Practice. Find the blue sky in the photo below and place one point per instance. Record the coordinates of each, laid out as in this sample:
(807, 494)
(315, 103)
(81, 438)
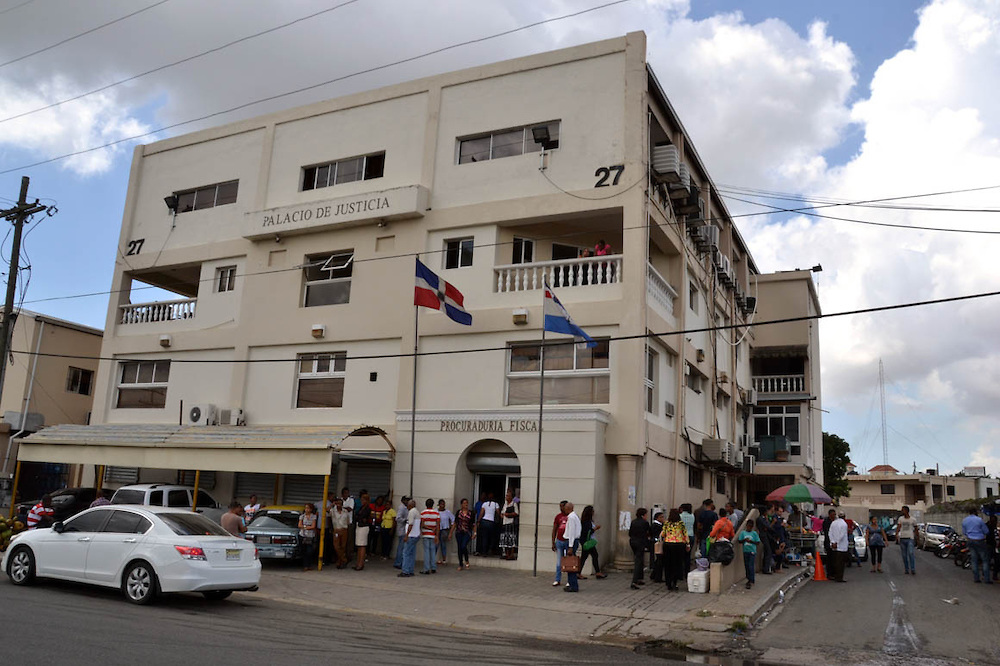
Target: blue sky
(779, 96)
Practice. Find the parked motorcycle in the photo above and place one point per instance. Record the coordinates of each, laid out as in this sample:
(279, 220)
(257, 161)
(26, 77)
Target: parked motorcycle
(961, 554)
(947, 547)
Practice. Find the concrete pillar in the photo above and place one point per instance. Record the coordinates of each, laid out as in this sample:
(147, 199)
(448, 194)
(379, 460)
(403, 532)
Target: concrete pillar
(627, 480)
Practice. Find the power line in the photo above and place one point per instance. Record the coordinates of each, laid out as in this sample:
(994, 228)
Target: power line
(558, 343)
(82, 34)
(10, 9)
(176, 62)
(314, 86)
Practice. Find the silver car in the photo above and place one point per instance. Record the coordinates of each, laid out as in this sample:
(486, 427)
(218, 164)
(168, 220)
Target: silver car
(275, 532)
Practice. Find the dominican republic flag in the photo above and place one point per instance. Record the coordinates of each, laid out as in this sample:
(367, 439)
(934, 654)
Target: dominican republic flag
(433, 292)
(558, 320)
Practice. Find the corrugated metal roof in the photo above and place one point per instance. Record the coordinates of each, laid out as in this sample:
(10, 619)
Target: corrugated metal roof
(213, 437)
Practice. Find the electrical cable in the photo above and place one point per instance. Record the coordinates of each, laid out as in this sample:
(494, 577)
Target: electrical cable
(559, 343)
(82, 34)
(175, 63)
(832, 201)
(344, 77)
(10, 9)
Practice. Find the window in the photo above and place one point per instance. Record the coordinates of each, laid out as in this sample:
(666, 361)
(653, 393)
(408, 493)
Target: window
(524, 251)
(143, 384)
(79, 380)
(951, 490)
(328, 278)
(572, 376)
(888, 488)
(775, 421)
(225, 278)
(693, 297)
(88, 522)
(652, 361)
(321, 380)
(696, 477)
(178, 498)
(209, 196)
(128, 496)
(155, 498)
(505, 143)
(192, 524)
(989, 492)
(126, 522)
(720, 485)
(458, 253)
(365, 167)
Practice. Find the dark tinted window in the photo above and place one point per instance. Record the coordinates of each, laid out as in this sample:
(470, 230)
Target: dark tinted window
(205, 500)
(192, 524)
(156, 498)
(126, 522)
(276, 520)
(178, 498)
(86, 522)
(128, 497)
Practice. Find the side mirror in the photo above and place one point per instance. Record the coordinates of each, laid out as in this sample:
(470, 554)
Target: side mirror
(58, 527)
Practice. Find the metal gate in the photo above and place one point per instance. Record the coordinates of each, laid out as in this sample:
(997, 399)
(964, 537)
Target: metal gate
(373, 476)
(302, 488)
(206, 480)
(122, 475)
(251, 483)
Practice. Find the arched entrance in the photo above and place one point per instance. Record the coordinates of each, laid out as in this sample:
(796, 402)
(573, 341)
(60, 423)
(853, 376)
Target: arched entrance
(489, 467)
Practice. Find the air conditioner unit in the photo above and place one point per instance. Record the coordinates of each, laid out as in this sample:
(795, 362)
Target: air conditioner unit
(749, 462)
(713, 448)
(723, 377)
(682, 187)
(692, 205)
(727, 453)
(751, 304)
(668, 408)
(737, 458)
(752, 396)
(202, 415)
(722, 265)
(667, 163)
(237, 417)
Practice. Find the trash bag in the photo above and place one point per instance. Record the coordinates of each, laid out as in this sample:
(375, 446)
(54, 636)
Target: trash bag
(701, 564)
(721, 551)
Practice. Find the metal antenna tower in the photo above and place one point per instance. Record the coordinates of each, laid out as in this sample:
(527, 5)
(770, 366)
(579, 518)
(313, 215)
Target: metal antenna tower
(881, 392)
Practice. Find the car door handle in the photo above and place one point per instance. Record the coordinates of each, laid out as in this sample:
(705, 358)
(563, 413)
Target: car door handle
(128, 540)
(84, 539)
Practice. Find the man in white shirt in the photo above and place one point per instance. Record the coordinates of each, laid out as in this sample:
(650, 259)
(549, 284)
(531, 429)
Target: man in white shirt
(572, 536)
(340, 519)
(251, 509)
(839, 545)
(488, 524)
(412, 537)
(401, 513)
(345, 495)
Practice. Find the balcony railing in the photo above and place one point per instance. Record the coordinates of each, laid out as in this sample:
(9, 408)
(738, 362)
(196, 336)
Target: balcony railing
(780, 384)
(659, 290)
(147, 313)
(579, 272)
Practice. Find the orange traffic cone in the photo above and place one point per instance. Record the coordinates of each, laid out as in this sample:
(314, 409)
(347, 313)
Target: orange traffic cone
(820, 573)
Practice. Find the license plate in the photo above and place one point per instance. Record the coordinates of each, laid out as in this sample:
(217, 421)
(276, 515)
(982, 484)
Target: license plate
(232, 553)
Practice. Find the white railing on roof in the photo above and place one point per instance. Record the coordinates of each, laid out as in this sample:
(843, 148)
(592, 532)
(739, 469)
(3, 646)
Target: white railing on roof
(780, 384)
(579, 272)
(659, 290)
(147, 313)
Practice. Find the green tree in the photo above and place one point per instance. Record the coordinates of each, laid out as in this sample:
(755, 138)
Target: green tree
(835, 459)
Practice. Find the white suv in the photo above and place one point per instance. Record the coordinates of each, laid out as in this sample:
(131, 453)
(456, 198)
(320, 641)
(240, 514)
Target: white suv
(164, 494)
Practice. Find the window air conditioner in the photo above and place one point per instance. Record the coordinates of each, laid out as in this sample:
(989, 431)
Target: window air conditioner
(667, 163)
(713, 448)
(680, 189)
(751, 304)
(752, 396)
(749, 462)
(202, 415)
(668, 408)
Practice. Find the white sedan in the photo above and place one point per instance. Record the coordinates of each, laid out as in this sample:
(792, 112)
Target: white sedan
(141, 550)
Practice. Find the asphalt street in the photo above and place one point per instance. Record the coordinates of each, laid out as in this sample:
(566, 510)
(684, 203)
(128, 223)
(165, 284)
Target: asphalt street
(938, 615)
(54, 622)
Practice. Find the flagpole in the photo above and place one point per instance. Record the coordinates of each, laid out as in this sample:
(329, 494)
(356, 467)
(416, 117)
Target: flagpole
(413, 404)
(541, 407)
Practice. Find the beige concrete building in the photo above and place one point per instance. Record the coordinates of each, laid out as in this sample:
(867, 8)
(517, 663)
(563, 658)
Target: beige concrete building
(48, 380)
(289, 240)
(884, 489)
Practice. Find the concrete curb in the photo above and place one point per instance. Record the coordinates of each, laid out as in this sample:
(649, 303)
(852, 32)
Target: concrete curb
(768, 603)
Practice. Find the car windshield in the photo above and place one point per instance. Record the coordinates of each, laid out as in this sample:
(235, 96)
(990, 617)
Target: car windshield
(937, 529)
(192, 524)
(275, 520)
(128, 497)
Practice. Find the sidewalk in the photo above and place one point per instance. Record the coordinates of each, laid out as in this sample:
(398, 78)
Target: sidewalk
(515, 602)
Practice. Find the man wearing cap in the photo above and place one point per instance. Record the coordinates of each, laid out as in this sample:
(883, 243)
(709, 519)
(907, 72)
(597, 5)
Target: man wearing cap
(401, 513)
(838, 543)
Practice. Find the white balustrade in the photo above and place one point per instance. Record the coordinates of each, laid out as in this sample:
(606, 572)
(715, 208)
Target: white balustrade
(780, 384)
(148, 313)
(659, 290)
(579, 272)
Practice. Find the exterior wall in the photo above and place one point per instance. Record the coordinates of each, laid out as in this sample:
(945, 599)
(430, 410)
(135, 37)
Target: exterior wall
(866, 490)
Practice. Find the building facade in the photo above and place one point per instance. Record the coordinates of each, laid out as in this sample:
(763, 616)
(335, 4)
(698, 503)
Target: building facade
(288, 243)
(49, 379)
(884, 489)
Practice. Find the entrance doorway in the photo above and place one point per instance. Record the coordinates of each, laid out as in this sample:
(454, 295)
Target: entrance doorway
(498, 485)
(491, 466)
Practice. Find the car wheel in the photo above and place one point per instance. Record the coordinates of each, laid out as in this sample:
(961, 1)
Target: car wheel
(217, 595)
(21, 568)
(139, 584)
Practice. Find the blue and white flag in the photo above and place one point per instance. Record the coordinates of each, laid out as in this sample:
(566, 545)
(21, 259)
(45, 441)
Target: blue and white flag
(558, 320)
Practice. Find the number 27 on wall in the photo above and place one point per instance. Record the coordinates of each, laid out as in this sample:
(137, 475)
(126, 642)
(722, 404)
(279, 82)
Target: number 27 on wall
(604, 173)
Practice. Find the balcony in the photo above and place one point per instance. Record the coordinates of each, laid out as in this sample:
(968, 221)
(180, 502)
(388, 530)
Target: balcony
(659, 293)
(579, 272)
(159, 311)
(780, 384)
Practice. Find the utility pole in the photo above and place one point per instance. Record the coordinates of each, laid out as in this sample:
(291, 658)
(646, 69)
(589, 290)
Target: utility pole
(18, 214)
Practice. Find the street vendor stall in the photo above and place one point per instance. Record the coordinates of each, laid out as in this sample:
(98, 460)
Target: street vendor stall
(800, 541)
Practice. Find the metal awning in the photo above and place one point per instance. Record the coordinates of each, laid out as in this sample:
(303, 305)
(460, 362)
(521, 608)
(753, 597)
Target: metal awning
(273, 449)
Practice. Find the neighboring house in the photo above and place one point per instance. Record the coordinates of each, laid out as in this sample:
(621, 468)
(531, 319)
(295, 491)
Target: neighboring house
(787, 440)
(41, 390)
(884, 488)
(289, 242)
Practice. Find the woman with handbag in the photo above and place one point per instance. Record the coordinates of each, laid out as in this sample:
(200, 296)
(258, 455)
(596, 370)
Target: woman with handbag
(589, 527)
(675, 544)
